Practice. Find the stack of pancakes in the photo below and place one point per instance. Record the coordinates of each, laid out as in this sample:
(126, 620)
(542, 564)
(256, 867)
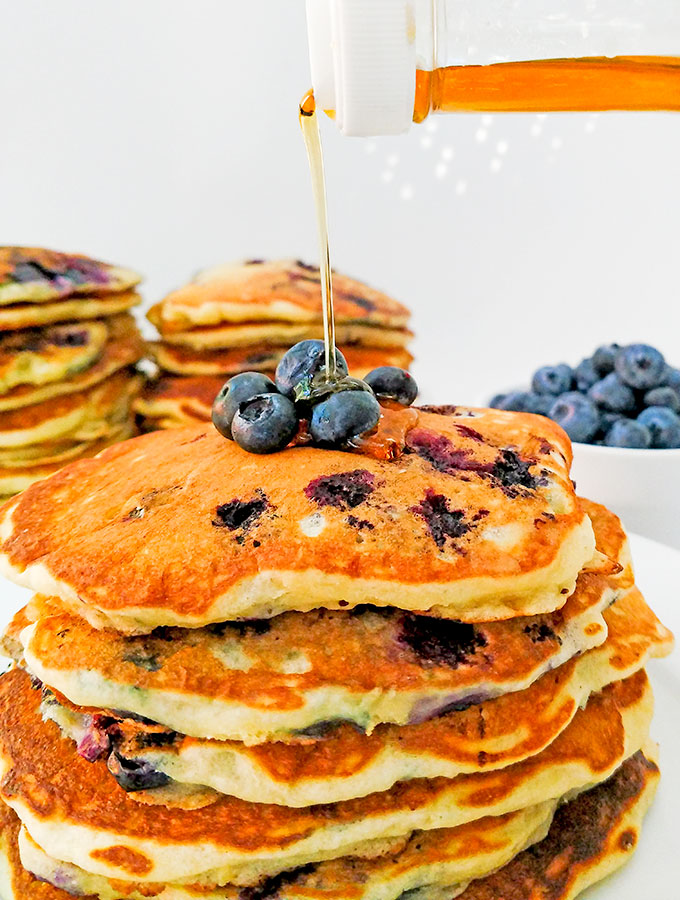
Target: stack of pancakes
(243, 317)
(67, 344)
(319, 674)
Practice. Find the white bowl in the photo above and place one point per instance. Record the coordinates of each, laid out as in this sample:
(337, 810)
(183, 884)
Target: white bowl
(641, 486)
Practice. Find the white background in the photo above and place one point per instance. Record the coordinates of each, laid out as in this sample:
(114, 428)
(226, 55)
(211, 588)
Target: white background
(163, 135)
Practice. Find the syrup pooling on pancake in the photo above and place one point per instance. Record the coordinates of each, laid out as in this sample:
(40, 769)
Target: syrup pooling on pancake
(74, 811)
(342, 763)
(298, 674)
(520, 538)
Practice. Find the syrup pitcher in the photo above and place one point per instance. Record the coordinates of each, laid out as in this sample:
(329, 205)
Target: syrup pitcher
(378, 65)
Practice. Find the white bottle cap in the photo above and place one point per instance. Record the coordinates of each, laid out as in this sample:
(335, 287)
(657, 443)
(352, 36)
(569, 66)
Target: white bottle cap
(363, 60)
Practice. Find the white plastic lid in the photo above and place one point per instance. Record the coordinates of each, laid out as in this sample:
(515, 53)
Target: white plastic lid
(363, 60)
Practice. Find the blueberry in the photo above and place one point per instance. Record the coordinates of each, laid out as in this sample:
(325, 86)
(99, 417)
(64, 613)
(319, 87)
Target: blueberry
(497, 400)
(302, 362)
(393, 383)
(236, 390)
(604, 359)
(344, 416)
(265, 423)
(607, 419)
(663, 396)
(577, 415)
(524, 401)
(641, 366)
(671, 378)
(664, 426)
(585, 375)
(612, 394)
(628, 433)
(133, 775)
(553, 380)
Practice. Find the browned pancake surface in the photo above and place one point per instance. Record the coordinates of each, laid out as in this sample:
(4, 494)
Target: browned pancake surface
(184, 517)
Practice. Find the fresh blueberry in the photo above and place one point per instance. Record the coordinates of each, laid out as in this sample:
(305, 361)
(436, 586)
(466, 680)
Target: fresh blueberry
(303, 362)
(393, 383)
(524, 401)
(607, 419)
(577, 415)
(344, 416)
(611, 394)
(554, 380)
(664, 426)
(641, 366)
(671, 378)
(133, 775)
(663, 396)
(604, 359)
(235, 391)
(497, 401)
(628, 433)
(265, 423)
(585, 375)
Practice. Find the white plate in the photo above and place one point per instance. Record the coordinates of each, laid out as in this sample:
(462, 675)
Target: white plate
(655, 869)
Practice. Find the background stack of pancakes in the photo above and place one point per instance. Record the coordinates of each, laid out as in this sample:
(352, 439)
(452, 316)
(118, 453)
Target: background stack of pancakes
(66, 348)
(243, 317)
(319, 674)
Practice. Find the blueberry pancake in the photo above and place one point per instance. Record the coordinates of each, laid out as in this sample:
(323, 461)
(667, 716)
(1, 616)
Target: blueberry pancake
(122, 347)
(173, 402)
(263, 358)
(278, 291)
(275, 679)
(76, 308)
(477, 520)
(76, 813)
(36, 275)
(333, 761)
(41, 356)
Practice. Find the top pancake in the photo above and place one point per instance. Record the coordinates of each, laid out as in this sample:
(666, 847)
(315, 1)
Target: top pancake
(36, 275)
(477, 520)
(256, 291)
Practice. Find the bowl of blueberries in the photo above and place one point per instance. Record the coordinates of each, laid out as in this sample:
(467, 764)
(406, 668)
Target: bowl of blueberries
(621, 409)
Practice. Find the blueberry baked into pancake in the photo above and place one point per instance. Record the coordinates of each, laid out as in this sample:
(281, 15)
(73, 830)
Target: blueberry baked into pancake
(243, 316)
(405, 661)
(67, 351)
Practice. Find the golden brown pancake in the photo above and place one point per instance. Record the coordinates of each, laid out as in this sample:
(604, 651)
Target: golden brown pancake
(284, 334)
(273, 678)
(30, 315)
(341, 763)
(75, 813)
(261, 358)
(285, 291)
(175, 402)
(477, 521)
(594, 834)
(36, 275)
(85, 415)
(123, 348)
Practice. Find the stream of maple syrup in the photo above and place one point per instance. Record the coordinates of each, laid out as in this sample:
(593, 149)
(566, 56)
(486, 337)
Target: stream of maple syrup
(588, 84)
(309, 123)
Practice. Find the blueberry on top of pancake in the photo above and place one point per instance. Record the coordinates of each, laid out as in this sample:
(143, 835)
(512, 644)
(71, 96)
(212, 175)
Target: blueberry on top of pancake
(36, 275)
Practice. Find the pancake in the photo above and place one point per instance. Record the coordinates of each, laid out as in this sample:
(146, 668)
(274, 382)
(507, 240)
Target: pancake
(261, 358)
(85, 415)
(596, 832)
(271, 679)
(477, 520)
(346, 764)
(441, 858)
(285, 334)
(284, 291)
(76, 813)
(18, 477)
(125, 346)
(36, 275)
(44, 355)
(31, 315)
(174, 402)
